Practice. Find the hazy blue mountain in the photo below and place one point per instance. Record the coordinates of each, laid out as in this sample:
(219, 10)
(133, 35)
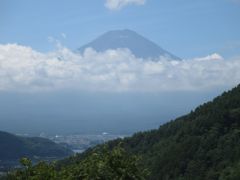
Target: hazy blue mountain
(13, 147)
(140, 46)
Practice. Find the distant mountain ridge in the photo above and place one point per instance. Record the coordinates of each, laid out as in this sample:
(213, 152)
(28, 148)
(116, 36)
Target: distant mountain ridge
(140, 46)
(13, 147)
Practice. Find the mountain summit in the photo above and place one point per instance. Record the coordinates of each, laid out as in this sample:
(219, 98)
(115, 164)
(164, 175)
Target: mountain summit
(140, 46)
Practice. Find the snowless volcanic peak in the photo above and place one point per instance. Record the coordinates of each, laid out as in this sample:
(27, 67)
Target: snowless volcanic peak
(140, 46)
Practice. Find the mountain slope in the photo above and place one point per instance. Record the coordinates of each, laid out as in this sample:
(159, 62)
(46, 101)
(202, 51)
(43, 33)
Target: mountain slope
(137, 44)
(205, 144)
(14, 147)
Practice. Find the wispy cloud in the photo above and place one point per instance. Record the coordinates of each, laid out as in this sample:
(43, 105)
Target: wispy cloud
(119, 4)
(24, 69)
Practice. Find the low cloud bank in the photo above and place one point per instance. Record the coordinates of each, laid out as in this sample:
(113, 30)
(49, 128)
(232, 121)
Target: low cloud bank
(24, 69)
(119, 4)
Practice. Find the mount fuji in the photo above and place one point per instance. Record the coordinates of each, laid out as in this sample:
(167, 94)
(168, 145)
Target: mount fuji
(140, 46)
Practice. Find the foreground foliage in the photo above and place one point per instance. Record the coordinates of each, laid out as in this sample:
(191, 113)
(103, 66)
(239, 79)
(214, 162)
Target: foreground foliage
(102, 164)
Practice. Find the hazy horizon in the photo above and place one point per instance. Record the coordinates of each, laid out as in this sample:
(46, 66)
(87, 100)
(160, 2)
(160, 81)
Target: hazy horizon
(173, 57)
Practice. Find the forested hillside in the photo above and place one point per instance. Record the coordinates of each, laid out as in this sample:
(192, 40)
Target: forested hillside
(204, 144)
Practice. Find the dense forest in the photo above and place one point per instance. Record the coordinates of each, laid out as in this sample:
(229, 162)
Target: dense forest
(102, 164)
(203, 145)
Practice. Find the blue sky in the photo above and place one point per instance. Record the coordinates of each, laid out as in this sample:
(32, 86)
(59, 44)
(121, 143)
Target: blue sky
(185, 27)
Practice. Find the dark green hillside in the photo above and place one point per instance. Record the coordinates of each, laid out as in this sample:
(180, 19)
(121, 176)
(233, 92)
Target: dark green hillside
(205, 144)
(14, 147)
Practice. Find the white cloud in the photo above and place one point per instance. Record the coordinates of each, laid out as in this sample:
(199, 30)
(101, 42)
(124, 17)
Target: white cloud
(24, 69)
(118, 4)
